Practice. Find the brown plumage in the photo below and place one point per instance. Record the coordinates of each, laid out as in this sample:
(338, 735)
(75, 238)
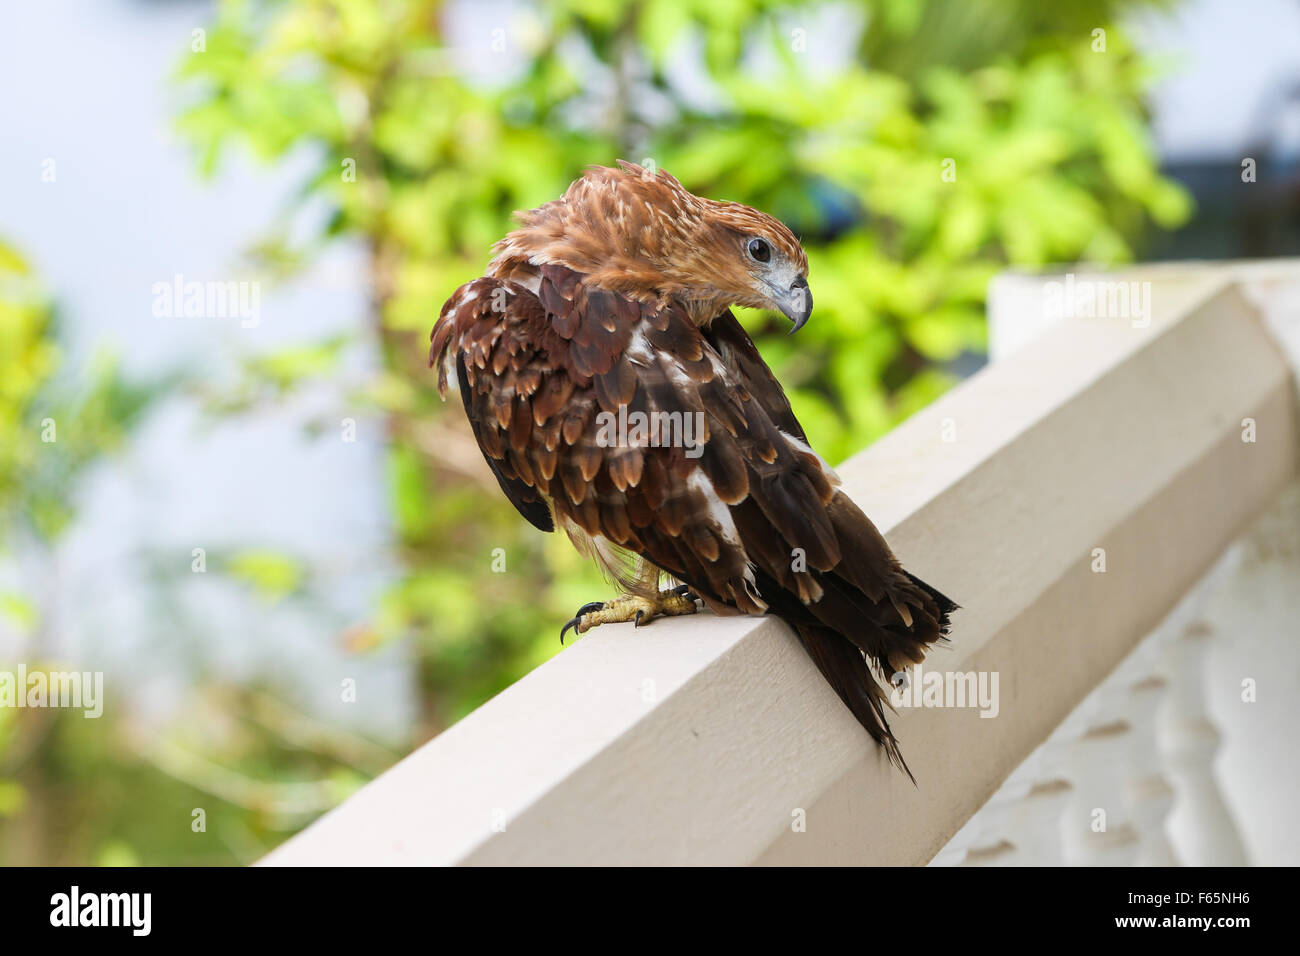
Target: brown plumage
(615, 299)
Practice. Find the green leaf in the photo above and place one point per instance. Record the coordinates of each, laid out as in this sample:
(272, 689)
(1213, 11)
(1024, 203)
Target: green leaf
(273, 575)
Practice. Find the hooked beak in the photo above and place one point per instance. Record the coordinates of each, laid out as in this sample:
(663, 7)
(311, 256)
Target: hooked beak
(796, 303)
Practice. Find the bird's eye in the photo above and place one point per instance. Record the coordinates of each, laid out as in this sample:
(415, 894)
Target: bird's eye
(759, 250)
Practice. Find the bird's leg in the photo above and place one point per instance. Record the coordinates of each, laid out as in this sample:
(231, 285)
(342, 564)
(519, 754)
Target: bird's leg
(637, 608)
(632, 607)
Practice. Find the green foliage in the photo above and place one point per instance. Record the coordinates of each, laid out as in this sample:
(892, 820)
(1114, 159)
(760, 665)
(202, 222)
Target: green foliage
(109, 793)
(51, 428)
(271, 574)
(961, 137)
(27, 361)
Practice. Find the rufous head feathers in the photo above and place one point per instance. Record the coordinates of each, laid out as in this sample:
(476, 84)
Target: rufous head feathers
(637, 231)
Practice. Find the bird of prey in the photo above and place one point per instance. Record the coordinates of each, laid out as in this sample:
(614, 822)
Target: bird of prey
(613, 392)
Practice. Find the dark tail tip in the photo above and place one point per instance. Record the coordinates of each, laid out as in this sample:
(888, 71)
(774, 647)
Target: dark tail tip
(945, 604)
(847, 671)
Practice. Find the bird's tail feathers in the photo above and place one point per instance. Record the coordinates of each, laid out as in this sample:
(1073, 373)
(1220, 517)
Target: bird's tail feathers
(847, 671)
(945, 604)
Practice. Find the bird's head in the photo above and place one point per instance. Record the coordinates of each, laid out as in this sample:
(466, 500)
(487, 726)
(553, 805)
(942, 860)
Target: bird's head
(750, 259)
(638, 231)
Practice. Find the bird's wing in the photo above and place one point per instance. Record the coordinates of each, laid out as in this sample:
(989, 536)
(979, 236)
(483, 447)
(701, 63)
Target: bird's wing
(535, 371)
(856, 586)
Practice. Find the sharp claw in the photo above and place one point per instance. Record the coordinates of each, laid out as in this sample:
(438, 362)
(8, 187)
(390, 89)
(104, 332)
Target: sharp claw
(636, 621)
(684, 590)
(564, 630)
(577, 618)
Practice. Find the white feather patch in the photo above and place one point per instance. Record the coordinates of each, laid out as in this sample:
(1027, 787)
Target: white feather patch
(798, 445)
(718, 510)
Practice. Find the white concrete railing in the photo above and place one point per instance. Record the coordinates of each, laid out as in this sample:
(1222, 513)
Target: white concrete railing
(714, 740)
(1182, 749)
